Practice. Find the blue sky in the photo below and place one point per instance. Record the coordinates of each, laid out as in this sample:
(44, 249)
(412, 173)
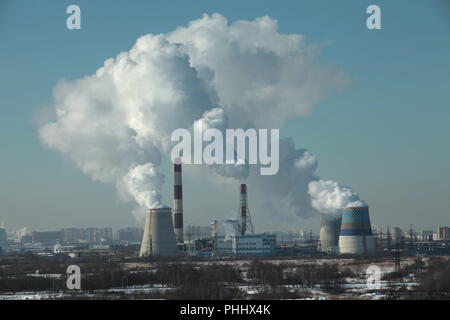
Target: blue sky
(386, 134)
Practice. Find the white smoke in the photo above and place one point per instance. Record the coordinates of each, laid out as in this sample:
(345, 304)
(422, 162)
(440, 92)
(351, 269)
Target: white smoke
(328, 196)
(144, 183)
(116, 123)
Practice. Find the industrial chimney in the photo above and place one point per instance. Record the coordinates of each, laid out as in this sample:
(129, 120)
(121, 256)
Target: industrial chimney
(329, 233)
(159, 236)
(356, 232)
(243, 205)
(178, 201)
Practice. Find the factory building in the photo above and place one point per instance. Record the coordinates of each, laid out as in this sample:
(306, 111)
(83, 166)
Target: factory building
(253, 245)
(426, 235)
(443, 233)
(329, 234)
(227, 240)
(356, 232)
(222, 233)
(159, 236)
(196, 232)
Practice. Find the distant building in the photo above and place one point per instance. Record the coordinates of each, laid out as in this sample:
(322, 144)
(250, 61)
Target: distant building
(196, 232)
(3, 235)
(443, 233)
(47, 237)
(26, 238)
(98, 234)
(397, 236)
(254, 245)
(427, 235)
(70, 235)
(222, 233)
(129, 234)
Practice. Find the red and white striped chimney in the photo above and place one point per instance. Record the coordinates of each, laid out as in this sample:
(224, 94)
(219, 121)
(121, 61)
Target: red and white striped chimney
(243, 208)
(177, 210)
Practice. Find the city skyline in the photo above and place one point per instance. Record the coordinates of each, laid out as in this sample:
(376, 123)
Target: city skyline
(384, 133)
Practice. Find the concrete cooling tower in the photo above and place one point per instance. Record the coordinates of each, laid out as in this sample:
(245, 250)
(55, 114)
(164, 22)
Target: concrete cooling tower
(159, 236)
(329, 233)
(356, 232)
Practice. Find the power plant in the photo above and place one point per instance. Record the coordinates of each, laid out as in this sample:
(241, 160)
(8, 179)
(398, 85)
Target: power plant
(356, 232)
(178, 202)
(159, 236)
(329, 233)
(347, 233)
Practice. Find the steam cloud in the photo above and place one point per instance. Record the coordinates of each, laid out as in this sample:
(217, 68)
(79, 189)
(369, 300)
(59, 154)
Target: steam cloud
(328, 196)
(115, 124)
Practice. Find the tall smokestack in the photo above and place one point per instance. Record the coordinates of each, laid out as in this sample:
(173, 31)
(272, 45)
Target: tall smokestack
(243, 208)
(178, 201)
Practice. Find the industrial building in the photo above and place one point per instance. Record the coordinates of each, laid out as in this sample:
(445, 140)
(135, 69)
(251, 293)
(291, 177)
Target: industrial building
(443, 233)
(427, 235)
(356, 232)
(254, 245)
(222, 234)
(227, 240)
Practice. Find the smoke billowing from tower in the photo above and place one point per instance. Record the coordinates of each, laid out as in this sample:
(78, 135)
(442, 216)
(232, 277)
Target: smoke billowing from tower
(329, 233)
(178, 201)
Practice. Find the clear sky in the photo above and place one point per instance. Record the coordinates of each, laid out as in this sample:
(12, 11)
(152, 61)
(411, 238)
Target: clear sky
(386, 135)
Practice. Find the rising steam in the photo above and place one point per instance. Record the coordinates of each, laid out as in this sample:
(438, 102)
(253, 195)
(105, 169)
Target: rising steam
(116, 123)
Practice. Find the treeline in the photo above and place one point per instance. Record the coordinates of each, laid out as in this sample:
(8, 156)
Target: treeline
(327, 276)
(434, 283)
(187, 280)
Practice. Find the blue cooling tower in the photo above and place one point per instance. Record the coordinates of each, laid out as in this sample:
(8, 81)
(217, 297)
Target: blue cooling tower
(356, 232)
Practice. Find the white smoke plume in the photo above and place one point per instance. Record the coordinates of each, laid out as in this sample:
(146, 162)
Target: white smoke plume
(328, 196)
(144, 183)
(116, 123)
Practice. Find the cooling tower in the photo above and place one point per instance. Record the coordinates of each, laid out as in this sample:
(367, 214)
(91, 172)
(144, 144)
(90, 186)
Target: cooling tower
(356, 232)
(159, 237)
(329, 233)
(178, 202)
